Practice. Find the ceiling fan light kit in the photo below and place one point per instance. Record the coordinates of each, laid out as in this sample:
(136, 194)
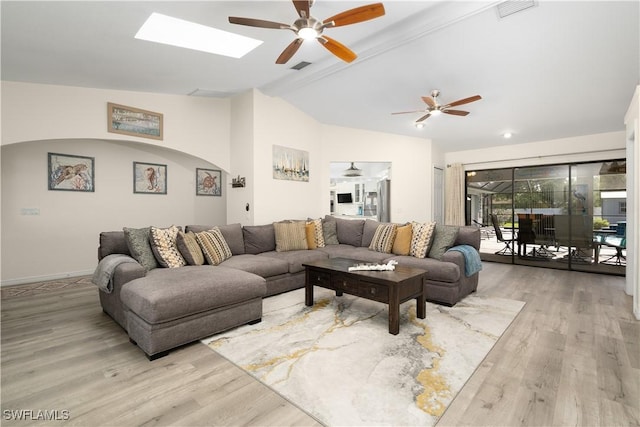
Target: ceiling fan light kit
(435, 109)
(352, 171)
(306, 27)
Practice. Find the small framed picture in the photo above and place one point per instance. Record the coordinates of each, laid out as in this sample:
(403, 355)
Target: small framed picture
(70, 173)
(134, 121)
(149, 178)
(208, 182)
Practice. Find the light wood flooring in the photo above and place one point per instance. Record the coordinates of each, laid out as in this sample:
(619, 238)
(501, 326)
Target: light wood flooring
(572, 357)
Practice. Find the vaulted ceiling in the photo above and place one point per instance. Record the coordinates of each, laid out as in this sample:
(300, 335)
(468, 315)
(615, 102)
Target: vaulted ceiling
(554, 70)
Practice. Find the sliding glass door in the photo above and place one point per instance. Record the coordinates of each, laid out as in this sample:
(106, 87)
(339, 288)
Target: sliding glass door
(570, 216)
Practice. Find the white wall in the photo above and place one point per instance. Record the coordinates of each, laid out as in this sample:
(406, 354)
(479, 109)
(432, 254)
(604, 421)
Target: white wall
(411, 167)
(35, 112)
(62, 240)
(632, 122)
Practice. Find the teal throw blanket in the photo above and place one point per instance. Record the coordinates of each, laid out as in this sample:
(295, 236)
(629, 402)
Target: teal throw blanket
(472, 262)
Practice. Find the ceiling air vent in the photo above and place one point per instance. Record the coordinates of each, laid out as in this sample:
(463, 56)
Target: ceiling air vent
(300, 65)
(510, 7)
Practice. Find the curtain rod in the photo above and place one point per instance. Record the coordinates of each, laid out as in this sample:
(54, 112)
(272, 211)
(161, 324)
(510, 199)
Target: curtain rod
(539, 157)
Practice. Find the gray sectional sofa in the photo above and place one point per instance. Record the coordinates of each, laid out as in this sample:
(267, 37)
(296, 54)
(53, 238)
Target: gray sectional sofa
(164, 308)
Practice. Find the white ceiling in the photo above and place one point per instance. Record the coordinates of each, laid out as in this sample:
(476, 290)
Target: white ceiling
(556, 70)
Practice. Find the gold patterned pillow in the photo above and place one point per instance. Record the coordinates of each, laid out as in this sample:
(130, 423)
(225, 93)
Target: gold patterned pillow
(163, 244)
(213, 245)
(383, 238)
(421, 238)
(319, 234)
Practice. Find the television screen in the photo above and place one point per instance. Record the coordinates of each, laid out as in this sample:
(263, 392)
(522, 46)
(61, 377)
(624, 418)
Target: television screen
(344, 198)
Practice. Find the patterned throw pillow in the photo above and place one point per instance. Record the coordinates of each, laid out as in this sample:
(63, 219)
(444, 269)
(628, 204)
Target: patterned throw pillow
(290, 236)
(445, 237)
(189, 248)
(402, 243)
(310, 231)
(213, 245)
(383, 238)
(163, 244)
(139, 246)
(421, 238)
(319, 236)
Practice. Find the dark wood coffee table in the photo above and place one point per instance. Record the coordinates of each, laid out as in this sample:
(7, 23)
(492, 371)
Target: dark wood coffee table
(389, 287)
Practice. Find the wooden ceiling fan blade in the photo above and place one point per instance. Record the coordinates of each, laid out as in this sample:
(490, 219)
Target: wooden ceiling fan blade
(429, 101)
(289, 51)
(456, 112)
(337, 48)
(355, 15)
(423, 118)
(250, 22)
(409, 112)
(302, 6)
(463, 101)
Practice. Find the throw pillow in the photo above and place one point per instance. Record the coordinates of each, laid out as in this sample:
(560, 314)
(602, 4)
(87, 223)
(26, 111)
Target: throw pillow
(350, 231)
(213, 245)
(310, 231)
(383, 238)
(368, 231)
(290, 236)
(139, 246)
(259, 238)
(402, 243)
(421, 238)
(329, 232)
(443, 240)
(319, 236)
(189, 248)
(163, 244)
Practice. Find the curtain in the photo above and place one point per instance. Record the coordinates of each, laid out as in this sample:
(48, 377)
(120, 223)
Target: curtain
(454, 195)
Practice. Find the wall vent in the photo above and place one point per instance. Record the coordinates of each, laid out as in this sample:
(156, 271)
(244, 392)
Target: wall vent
(300, 65)
(510, 7)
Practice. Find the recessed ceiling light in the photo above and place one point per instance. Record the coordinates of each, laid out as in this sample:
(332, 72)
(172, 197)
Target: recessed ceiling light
(507, 135)
(177, 32)
(420, 125)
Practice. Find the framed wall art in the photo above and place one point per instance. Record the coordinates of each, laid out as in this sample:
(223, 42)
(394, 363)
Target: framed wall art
(208, 182)
(290, 164)
(70, 173)
(149, 178)
(134, 121)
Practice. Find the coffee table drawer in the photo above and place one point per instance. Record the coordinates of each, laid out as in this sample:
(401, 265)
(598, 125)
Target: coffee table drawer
(320, 278)
(374, 291)
(345, 283)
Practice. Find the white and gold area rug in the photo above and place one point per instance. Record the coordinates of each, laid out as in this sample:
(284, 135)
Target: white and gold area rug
(338, 362)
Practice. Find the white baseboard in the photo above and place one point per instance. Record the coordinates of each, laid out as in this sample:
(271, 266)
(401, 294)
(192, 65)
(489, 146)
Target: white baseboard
(33, 279)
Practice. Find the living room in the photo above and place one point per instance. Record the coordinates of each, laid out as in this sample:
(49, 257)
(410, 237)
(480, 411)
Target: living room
(235, 135)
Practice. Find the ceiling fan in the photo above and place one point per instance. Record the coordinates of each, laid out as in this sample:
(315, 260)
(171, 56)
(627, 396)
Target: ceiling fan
(306, 27)
(434, 109)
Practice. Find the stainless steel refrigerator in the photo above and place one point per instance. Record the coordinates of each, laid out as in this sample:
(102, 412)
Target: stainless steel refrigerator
(384, 200)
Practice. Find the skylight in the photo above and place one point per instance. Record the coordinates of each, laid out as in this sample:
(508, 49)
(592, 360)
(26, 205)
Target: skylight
(177, 32)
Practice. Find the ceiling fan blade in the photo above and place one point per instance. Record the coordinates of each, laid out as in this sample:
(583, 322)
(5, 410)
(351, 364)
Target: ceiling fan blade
(463, 101)
(289, 51)
(409, 112)
(302, 6)
(337, 48)
(429, 101)
(250, 22)
(423, 118)
(456, 112)
(355, 15)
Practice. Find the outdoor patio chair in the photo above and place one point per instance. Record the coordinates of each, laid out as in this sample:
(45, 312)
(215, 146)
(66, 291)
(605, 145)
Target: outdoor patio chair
(508, 242)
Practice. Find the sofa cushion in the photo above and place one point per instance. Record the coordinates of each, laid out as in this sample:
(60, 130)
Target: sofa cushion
(262, 266)
(357, 253)
(163, 245)
(438, 271)
(214, 247)
(349, 231)
(294, 259)
(232, 235)
(368, 230)
(139, 246)
(189, 248)
(421, 238)
(444, 238)
(329, 233)
(290, 236)
(168, 294)
(383, 238)
(112, 242)
(402, 242)
(259, 238)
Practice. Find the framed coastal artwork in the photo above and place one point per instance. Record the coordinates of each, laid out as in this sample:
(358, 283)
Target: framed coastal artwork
(134, 121)
(290, 164)
(149, 178)
(208, 182)
(68, 172)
